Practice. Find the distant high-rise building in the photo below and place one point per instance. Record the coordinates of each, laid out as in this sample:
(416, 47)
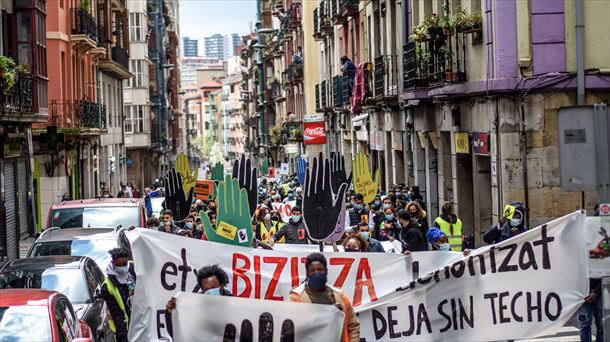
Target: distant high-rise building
(190, 47)
(219, 46)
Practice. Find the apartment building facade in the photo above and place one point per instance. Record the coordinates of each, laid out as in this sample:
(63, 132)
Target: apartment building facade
(23, 104)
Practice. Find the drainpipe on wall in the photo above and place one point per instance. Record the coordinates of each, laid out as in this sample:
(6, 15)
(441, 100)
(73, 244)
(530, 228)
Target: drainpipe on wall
(580, 53)
(524, 159)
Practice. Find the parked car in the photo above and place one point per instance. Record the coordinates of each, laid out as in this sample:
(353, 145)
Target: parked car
(98, 213)
(39, 315)
(92, 243)
(77, 277)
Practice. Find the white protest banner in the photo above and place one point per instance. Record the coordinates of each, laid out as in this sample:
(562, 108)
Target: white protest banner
(598, 246)
(524, 287)
(285, 209)
(215, 318)
(166, 264)
(392, 247)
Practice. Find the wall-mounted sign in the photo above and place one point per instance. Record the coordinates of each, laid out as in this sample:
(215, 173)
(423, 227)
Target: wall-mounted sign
(314, 129)
(377, 141)
(434, 139)
(480, 143)
(291, 148)
(461, 142)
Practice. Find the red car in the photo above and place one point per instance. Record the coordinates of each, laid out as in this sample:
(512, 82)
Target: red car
(98, 213)
(39, 315)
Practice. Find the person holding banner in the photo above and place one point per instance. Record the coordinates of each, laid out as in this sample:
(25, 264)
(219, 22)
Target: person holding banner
(315, 290)
(266, 228)
(294, 231)
(451, 226)
(373, 245)
(117, 290)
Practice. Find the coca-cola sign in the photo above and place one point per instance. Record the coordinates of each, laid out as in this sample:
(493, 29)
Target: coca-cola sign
(314, 133)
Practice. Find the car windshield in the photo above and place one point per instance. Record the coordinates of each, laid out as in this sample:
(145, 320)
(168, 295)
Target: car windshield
(69, 281)
(96, 217)
(96, 249)
(25, 323)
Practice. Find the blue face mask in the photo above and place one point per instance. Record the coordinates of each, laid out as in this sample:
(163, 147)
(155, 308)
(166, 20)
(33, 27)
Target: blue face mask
(389, 217)
(295, 218)
(386, 206)
(358, 206)
(444, 247)
(317, 281)
(377, 203)
(213, 292)
(122, 270)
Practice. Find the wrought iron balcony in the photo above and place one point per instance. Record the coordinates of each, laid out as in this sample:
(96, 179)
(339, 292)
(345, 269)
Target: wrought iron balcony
(385, 77)
(435, 61)
(19, 99)
(120, 56)
(338, 91)
(84, 24)
(349, 8)
(347, 90)
(77, 114)
(324, 95)
(318, 98)
(317, 31)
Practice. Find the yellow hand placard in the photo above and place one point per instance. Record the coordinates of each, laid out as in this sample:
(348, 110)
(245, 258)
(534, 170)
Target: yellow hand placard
(363, 180)
(509, 211)
(188, 177)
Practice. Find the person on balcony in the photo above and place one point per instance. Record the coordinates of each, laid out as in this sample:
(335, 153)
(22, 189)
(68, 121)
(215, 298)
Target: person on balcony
(348, 67)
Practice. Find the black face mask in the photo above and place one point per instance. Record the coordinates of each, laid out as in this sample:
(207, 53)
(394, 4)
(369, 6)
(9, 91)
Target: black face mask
(351, 250)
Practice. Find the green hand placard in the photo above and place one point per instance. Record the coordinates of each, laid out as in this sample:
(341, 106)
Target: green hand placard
(265, 167)
(233, 225)
(218, 172)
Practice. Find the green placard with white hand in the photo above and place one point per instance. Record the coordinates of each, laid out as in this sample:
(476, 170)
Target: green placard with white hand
(233, 225)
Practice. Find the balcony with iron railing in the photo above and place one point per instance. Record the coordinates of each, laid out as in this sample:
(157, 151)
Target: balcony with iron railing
(317, 31)
(294, 16)
(77, 115)
(385, 75)
(18, 100)
(436, 59)
(318, 98)
(338, 91)
(324, 87)
(348, 8)
(84, 29)
(120, 56)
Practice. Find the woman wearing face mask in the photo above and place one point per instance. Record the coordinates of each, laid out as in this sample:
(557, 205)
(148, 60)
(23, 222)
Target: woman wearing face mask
(212, 281)
(418, 215)
(315, 290)
(266, 227)
(355, 243)
(117, 290)
(389, 228)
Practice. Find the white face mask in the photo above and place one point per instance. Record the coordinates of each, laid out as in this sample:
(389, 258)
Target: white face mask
(365, 234)
(444, 247)
(122, 270)
(267, 216)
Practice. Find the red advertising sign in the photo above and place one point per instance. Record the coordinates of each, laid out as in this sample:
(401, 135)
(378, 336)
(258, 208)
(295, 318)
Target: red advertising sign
(480, 143)
(314, 133)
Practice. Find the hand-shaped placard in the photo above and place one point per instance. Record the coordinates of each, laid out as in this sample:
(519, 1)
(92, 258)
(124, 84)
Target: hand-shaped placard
(363, 181)
(246, 175)
(188, 177)
(321, 207)
(218, 172)
(265, 330)
(301, 169)
(265, 167)
(338, 174)
(233, 225)
(176, 199)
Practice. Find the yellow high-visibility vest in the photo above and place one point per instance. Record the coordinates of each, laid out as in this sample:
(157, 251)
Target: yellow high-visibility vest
(455, 239)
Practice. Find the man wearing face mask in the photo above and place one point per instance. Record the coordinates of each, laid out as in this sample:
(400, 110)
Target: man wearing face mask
(293, 231)
(506, 229)
(117, 290)
(315, 290)
(359, 212)
(212, 281)
(373, 245)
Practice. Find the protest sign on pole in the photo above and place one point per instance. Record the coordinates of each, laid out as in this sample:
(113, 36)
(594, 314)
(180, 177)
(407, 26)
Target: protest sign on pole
(285, 209)
(285, 169)
(527, 286)
(203, 189)
(166, 264)
(598, 245)
(200, 318)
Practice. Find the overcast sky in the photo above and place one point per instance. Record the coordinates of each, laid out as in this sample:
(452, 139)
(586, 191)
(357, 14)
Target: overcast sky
(202, 18)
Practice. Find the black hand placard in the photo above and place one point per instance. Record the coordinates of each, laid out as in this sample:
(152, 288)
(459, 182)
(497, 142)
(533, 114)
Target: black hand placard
(174, 196)
(265, 330)
(321, 206)
(246, 174)
(338, 174)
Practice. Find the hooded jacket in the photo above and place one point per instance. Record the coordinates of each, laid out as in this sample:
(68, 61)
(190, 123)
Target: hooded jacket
(498, 234)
